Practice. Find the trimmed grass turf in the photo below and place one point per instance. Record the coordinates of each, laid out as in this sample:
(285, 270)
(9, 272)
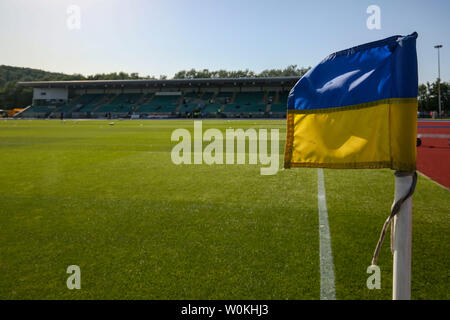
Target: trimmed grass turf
(109, 199)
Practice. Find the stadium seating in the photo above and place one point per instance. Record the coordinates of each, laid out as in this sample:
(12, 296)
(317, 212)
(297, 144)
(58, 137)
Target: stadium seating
(160, 104)
(207, 96)
(191, 101)
(231, 104)
(145, 98)
(249, 98)
(70, 106)
(271, 96)
(278, 107)
(191, 95)
(122, 103)
(185, 108)
(212, 108)
(39, 111)
(90, 101)
(242, 108)
(89, 98)
(283, 96)
(246, 104)
(201, 102)
(66, 108)
(223, 97)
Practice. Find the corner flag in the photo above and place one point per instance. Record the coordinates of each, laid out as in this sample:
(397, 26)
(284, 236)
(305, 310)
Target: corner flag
(357, 109)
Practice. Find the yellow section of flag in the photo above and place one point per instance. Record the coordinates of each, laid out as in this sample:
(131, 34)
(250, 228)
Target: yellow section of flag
(379, 134)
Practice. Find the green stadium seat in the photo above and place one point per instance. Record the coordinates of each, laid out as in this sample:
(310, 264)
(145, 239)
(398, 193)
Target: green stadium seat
(241, 108)
(212, 108)
(40, 110)
(161, 104)
(223, 97)
(122, 103)
(283, 97)
(249, 98)
(207, 96)
(89, 101)
(278, 107)
(188, 107)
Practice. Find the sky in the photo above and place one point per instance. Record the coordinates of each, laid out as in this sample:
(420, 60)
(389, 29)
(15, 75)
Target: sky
(154, 37)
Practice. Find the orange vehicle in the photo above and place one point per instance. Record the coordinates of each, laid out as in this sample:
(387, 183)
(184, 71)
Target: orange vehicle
(13, 111)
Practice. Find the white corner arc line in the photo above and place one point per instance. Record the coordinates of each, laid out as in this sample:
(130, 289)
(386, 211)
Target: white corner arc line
(327, 288)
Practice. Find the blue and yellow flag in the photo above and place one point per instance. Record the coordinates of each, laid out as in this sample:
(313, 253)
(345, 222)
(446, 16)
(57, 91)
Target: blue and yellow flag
(357, 109)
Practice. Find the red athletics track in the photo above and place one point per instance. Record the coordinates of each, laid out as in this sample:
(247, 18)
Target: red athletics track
(433, 156)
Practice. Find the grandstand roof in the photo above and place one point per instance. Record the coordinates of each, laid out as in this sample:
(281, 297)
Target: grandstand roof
(173, 83)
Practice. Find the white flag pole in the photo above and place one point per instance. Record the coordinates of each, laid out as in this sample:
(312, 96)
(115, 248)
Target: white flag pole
(402, 234)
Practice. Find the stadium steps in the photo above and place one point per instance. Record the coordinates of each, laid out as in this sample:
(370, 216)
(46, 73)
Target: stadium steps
(71, 106)
(75, 104)
(86, 103)
(71, 109)
(120, 104)
(180, 103)
(177, 109)
(277, 97)
(148, 98)
(75, 108)
(206, 97)
(67, 108)
(107, 99)
(233, 97)
(161, 104)
(97, 106)
(141, 99)
(77, 98)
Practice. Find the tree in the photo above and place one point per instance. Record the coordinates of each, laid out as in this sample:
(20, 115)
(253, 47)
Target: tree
(291, 70)
(428, 97)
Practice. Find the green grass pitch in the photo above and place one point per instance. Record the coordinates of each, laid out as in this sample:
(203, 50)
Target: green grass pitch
(109, 199)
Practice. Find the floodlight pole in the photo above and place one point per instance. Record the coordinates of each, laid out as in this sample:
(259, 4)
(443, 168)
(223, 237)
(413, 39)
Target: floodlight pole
(402, 224)
(439, 46)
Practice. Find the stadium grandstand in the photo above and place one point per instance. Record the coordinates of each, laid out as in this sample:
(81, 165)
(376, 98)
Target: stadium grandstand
(176, 98)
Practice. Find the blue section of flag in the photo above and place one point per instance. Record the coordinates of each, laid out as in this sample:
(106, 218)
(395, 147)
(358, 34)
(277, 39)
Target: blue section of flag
(374, 71)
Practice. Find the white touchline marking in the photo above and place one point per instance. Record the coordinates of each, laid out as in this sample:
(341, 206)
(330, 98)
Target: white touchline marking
(327, 290)
(440, 185)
